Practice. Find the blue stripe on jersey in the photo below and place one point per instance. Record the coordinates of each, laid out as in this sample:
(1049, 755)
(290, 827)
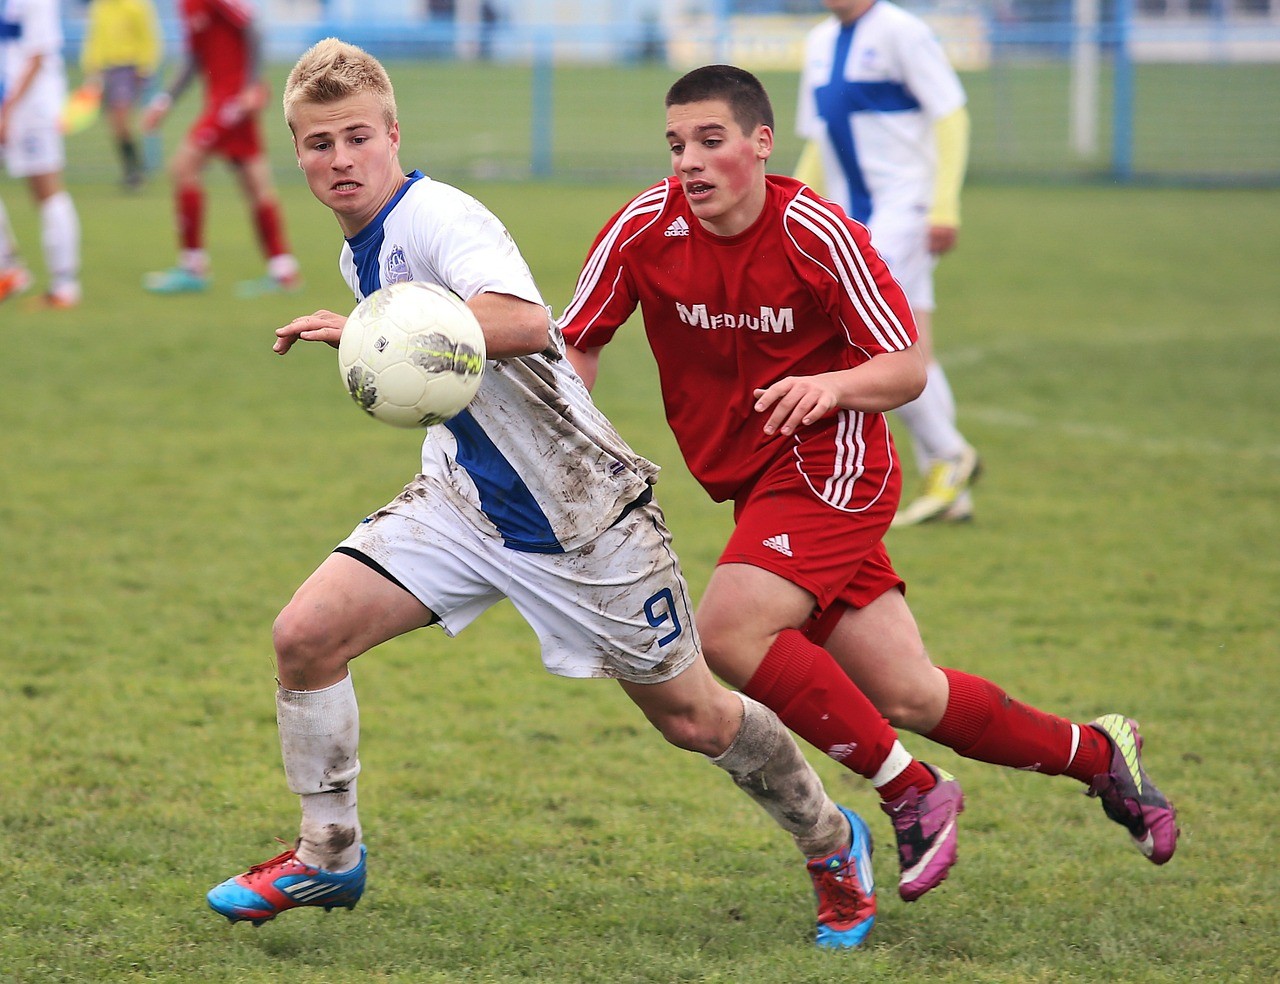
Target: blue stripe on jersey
(504, 497)
(366, 245)
(839, 99)
(10, 30)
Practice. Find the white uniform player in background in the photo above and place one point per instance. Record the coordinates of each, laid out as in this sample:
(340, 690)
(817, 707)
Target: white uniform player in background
(528, 494)
(33, 88)
(887, 129)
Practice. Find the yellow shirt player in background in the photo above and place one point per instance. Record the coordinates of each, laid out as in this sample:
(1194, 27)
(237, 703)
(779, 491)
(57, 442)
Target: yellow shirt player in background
(122, 50)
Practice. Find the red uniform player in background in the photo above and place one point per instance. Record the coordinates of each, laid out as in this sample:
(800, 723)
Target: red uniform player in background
(224, 48)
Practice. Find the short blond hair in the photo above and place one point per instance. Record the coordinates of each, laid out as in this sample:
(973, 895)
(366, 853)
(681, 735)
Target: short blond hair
(332, 70)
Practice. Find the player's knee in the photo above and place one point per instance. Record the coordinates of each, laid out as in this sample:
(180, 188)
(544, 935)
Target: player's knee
(300, 642)
(917, 708)
(903, 713)
(690, 732)
(732, 656)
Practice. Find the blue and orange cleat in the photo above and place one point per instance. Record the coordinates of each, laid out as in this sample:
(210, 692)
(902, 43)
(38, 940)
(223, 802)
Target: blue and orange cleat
(846, 889)
(13, 281)
(284, 882)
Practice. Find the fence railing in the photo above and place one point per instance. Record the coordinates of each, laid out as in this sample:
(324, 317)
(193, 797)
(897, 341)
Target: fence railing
(1110, 98)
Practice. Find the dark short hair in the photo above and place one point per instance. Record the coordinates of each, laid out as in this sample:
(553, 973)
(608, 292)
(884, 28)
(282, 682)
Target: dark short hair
(743, 92)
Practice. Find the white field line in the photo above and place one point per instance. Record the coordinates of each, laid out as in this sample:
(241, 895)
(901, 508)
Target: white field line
(1116, 436)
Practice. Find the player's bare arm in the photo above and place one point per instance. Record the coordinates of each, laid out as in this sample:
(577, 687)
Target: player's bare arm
(322, 326)
(162, 102)
(253, 97)
(512, 326)
(882, 383)
(586, 364)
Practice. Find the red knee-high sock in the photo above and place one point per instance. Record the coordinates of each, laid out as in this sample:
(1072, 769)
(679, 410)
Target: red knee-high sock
(190, 207)
(813, 697)
(270, 228)
(983, 722)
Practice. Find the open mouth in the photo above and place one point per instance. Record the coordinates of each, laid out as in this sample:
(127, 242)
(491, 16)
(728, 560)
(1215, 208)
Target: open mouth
(698, 189)
(346, 186)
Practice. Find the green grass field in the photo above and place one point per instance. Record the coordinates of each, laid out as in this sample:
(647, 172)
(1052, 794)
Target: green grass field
(167, 482)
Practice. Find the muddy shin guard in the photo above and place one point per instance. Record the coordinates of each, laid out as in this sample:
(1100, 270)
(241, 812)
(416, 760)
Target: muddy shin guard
(319, 742)
(767, 765)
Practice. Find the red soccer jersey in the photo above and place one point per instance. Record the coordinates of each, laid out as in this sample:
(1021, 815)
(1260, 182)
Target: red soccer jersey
(218, 42)
(801, 292)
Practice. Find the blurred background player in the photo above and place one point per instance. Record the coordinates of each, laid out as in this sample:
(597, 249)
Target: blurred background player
(888, 132)
(33, 89)
(121, 54)
(14, 276)
(224, 47)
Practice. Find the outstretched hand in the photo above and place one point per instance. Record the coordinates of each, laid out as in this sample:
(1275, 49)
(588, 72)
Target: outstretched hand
(796, 401)
(323, 326)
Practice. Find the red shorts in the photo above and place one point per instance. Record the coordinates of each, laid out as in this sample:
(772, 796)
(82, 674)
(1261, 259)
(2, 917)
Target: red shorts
(834, 554)
(236, 139)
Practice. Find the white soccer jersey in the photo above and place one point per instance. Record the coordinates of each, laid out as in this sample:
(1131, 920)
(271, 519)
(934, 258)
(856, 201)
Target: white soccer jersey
(531, 459)
(869, 95)
(29, 28)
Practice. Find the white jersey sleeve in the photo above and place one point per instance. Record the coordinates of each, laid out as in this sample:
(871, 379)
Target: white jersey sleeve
(531, 459)
(924, 68)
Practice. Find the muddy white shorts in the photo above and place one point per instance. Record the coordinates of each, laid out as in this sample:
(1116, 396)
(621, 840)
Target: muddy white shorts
(616, 607)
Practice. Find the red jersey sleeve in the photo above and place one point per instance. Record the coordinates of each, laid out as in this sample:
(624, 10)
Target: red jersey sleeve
(835, 256)
(606, 294)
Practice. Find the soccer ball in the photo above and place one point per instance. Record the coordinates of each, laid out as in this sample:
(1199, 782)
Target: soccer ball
(411, 355)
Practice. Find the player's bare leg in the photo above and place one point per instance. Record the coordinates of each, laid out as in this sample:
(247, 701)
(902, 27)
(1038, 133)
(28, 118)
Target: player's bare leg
(191, 273)
(283, 274)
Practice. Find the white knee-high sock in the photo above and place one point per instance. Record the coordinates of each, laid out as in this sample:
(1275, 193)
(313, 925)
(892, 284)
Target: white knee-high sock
(931, 419)
(319, 741)
(60, 236)
(8, 241)
(767, 764)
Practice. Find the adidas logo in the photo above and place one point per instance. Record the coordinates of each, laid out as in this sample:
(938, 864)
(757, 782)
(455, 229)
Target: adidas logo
(678, 228)
(781, 542)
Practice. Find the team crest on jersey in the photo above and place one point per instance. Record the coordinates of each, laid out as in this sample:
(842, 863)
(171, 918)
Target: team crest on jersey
(397, 267)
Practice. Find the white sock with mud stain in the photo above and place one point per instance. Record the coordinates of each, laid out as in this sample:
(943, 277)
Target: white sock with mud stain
(319, 740)
(767, 764)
